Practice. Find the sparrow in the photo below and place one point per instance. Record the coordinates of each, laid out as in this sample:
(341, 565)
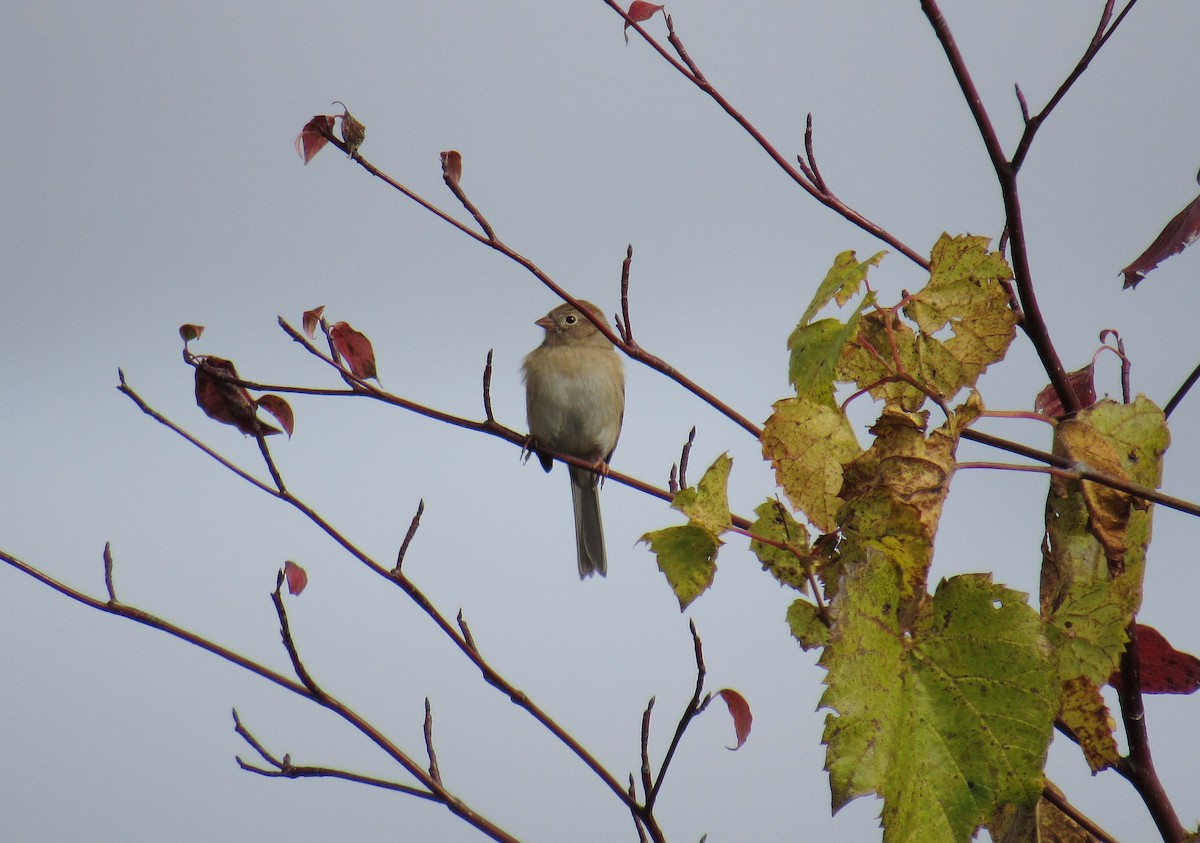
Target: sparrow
(575, 403)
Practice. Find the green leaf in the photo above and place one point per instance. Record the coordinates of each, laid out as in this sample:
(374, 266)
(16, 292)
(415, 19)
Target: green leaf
(816, 349)
(1088, 632)
(808, 442)
(841, 282)
(776, 523)
(806, 625)
(946, 723)
(687, 556)
(707, 504)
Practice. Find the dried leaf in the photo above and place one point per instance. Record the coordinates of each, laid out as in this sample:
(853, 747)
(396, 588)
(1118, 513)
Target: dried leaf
(296, 577)
(739, 710)
(355, 349)
(190, 332)
(311, 319)
(313, 136)
(1083, 381)
(1108, 509)
(353, 132)
(452, 166)
(1182, 231)
(1164, 670)
(281, 410)
(227, 402)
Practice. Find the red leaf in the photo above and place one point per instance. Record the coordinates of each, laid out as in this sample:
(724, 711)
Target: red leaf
(1164, 670)
(1182, 231)
(452, 166)
(355, 349)
(739, 710)
(296, 578)
(640, 11)
(190, 332)
(311, 319)
(1084, 384)
(281, 410)
(227, 402)
(313, 136)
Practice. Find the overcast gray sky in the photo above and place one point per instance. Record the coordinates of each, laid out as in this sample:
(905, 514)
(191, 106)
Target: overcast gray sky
(149, 180)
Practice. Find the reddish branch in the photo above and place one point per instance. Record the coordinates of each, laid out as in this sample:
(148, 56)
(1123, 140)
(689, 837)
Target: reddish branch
(808, 179)
(1034, 324)
(1138, 766)
(306, 688)
(630, 348)
(490, 674)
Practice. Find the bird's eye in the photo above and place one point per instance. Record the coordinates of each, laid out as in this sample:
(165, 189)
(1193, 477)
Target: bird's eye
(570, 319)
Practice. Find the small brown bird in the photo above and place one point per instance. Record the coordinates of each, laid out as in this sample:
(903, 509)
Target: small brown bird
(575, 402)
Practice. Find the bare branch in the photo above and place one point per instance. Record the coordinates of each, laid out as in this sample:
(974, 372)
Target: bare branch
(1103, 32)
(634, 352)
(408, 537)
(271, 467)
(684, 455)
(811, 168)
(488, 415)
(647, 779)
(696, 705)
(434, 772)
(624, 326)
(690, 71)
(1006, 174)
(452, 182)
(1082, 471)
(1183, 390)
(108, 573)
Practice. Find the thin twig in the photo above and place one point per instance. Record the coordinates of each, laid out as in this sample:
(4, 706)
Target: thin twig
(461, 195)
(453, 803)
(647, 781)
(683, 457)
(1033, 323)
(108, 573)
(408, 537)
(634, 352)
(1101, 36)
(271, 467)
(1055, 797)
(1183, 390)
(466, 632)
(697, 704)
(289, 643)
(284, 768)
(813, 171)
(623, 323)
(690, 71)
(488, 415)
(434, 772)
(1083, 472)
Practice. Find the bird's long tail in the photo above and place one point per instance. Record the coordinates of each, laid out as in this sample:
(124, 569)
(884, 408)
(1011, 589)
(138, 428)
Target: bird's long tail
(589, 529)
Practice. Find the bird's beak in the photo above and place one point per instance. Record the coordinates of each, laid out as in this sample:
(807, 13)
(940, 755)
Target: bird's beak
(545, 322)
